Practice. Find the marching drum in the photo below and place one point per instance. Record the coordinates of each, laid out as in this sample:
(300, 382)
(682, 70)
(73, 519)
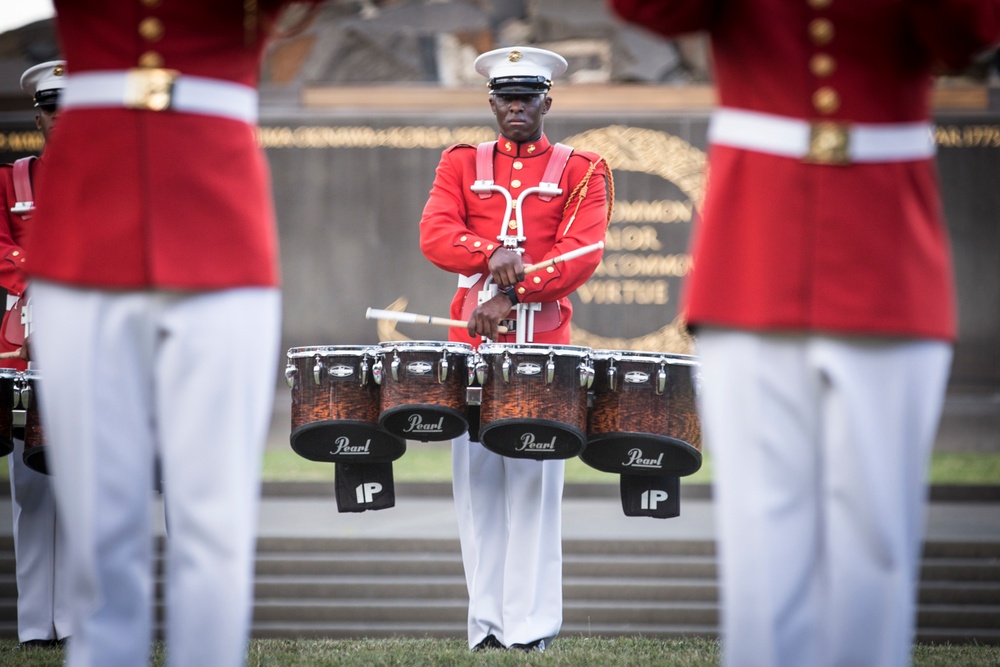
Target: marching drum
(7, 380)
(534, 399)
(335, 406)
(424, 389)
(643, 419)
(34, 438)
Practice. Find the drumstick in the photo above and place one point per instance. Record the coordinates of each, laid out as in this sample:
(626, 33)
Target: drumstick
(572, 254)
(400, 316)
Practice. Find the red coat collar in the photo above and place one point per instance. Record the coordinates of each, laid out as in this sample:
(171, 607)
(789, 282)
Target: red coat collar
(527, 149)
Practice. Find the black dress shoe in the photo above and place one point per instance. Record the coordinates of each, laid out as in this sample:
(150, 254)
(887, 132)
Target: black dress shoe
(491, 643)
(536, 646)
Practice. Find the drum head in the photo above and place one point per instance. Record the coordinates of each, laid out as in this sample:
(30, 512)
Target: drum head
(539, 439)
(641, 454)
(423, 422)
(346, 441)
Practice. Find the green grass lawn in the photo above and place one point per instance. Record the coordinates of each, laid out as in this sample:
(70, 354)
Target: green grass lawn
(431, 462)
(570, 652)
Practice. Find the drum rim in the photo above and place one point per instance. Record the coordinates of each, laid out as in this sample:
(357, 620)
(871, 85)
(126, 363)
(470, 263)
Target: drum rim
(9, 372)
(31, 374)
(426, 346)
(329, 350)
(537, 348)
(644, 355)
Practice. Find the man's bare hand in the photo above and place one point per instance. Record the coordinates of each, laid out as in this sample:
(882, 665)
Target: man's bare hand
(486, 317)
(506, 267)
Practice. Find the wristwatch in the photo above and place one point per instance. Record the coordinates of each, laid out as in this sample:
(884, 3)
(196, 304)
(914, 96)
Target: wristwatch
(510, 293)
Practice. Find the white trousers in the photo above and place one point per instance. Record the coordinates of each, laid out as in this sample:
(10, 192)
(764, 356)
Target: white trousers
(191, 377)
(41, 557)
(820, 450)
(510, 527)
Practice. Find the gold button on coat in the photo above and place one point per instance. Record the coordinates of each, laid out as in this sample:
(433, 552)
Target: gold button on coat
(518, 165)
(151, 59)
(821, 31)
(151, 3)
(826, 100)
(820, 4)
(822, 65)
(151, 29)
(515, 183)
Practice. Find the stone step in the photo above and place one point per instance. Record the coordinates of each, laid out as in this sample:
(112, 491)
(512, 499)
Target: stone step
(382, 588)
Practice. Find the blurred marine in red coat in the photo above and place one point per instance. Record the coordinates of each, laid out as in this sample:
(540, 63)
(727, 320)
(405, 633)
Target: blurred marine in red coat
(154, 273)
(823, 302)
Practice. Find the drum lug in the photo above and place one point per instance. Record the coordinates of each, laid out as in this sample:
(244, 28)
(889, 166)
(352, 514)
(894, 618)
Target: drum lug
(481, 371)
(443, 369)
(612, 375)
(586, 376)
(318, 371)
(25, 395)
(290, 372)
(394, 367)
(661, 381)
(364, 371)
(505, 367)
(377, 372)
(550, 370)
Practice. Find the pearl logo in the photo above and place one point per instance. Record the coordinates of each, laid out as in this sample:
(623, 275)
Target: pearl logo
(415, 424)
(636, 460)
(419, 368)
(529, 444)
(341, 371)
(344, 446)
(529, 368)
(636, 377)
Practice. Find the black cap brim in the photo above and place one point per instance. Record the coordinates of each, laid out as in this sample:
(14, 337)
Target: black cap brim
(520, 85)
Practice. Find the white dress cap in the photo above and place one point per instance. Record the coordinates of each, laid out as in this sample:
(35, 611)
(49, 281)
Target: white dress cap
(520, 69)
(46, 79)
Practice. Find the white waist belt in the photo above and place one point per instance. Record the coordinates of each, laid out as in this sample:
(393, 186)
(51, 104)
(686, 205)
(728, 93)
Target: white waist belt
(824, 142)
(160, 90)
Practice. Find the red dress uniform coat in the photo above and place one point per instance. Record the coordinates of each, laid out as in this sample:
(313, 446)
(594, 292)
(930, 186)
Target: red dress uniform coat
(12, 256)
(157, 199)
(458, 230)
(785, 245)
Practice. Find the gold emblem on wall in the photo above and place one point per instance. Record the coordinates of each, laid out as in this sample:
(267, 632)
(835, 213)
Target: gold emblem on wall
(672, 159)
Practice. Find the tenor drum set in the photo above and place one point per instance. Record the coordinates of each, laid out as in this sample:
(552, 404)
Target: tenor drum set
(620, 411)
(19, 417)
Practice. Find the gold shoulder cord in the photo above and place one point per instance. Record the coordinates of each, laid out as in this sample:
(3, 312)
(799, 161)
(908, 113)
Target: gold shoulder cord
(580, 191)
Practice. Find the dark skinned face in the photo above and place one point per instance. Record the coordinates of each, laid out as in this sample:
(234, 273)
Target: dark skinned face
(45, 120)
(519, 117)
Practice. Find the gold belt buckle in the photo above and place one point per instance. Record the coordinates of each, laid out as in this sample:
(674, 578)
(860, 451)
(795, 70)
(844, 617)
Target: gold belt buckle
(829, 143)
(149, 88)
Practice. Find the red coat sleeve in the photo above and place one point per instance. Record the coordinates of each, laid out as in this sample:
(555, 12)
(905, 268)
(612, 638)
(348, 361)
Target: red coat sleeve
(445, 236)
(11, 253)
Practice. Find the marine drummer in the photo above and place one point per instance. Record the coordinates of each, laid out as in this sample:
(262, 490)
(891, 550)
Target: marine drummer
(480, 223)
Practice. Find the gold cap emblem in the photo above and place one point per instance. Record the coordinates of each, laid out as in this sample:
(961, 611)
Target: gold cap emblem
(514, 56)
(58, 70)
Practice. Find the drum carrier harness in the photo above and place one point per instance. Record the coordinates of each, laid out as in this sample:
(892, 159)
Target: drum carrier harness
(546, 190)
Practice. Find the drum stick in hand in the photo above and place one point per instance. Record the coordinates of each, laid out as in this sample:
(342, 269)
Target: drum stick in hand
(400, 316)
(559, 259)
